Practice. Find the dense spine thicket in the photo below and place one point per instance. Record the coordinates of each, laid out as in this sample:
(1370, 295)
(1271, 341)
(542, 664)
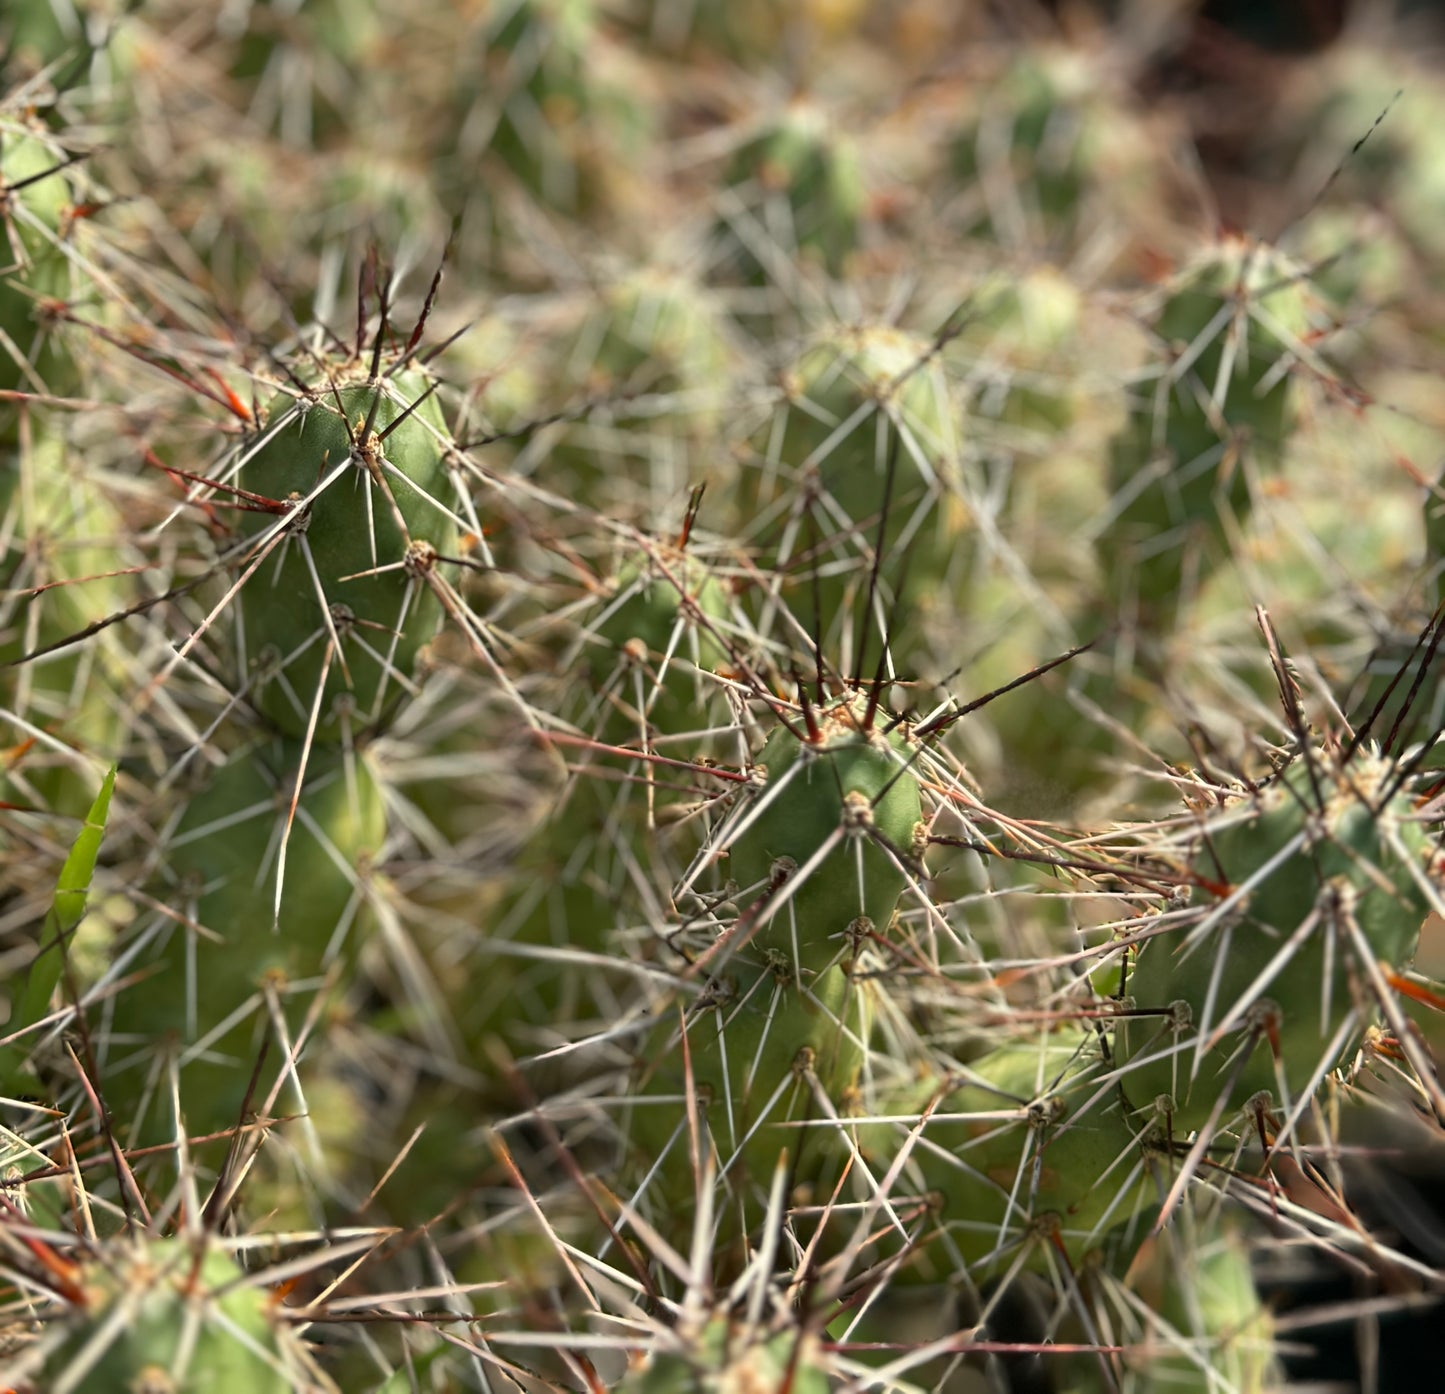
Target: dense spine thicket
(706, 698)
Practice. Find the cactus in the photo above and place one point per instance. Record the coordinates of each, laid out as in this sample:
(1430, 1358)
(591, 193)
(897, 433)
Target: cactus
(860, 466)
(1216, 418)
(258, 906)
(60, 568)
(34, 200)
(655, 360)
(1046, 135)
(720, 1358)
(1031, 1152)
(346, 605)
(820, 857)
(1015, 343)
(1315, 878)
(845, 786)
(1205, 1325)
(552, 923)
(749, 32)
(173, 1314)
(1370, 88)
(298, 64)
(794, 189)
(656, 633)
(553, 110)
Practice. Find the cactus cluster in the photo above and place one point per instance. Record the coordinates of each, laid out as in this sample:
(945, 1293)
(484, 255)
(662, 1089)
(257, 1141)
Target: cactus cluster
(692, 701)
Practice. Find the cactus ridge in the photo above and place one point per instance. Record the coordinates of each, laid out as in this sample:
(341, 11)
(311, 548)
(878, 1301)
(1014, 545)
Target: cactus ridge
(838, 816)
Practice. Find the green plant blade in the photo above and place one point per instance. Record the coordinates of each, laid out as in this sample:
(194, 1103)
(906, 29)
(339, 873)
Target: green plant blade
(66, 912)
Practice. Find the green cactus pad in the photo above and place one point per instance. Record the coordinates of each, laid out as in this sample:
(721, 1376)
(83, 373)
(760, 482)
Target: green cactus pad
(1047, 143)
(647, 653)
(167, 1314)
(351, 528)
(653, 359)
(1312, 844)
(781, 1019)
(847, 781)
(848, 378)
(221, 870)
(300, 66)
(750, 33)
(1233, 327)
(656, 329)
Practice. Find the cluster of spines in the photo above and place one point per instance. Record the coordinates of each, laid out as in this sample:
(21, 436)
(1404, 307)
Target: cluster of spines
(770, 1020)
(176, 1313)
(1311, 889)
(1210, 425)
(1019, 1149)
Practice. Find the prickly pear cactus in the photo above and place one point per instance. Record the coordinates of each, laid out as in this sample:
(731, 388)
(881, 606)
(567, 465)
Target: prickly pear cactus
(1209, 429)
(711, 697)
(1308, 884)
(352, 484)
(174, 1313)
